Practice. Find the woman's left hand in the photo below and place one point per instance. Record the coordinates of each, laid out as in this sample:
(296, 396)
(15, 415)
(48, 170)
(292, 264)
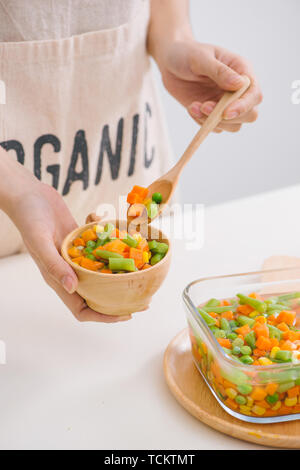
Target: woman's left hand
(198, 74)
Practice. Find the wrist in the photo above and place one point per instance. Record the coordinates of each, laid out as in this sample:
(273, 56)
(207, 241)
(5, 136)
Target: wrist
(15, 183)
(160, 39)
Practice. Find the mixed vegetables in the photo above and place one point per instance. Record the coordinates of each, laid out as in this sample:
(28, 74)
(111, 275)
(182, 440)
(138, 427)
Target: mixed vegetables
(108, 250)
(253, 331)
(139, 200)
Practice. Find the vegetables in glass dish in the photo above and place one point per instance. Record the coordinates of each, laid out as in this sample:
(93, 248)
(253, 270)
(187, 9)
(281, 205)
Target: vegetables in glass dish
(108, 250)
(247, 347)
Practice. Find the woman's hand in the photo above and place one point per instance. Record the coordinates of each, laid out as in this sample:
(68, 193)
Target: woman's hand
(44, 220)
(197, 74)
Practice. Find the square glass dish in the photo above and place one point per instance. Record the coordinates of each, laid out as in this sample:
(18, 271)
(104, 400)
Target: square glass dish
(228, 378)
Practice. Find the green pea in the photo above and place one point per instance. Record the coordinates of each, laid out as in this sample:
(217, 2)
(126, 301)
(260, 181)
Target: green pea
(91, 244)
(90, 256)
(272, 399)
(225, 325)
(157, 197)
(240, 400)
(297, 382)
(246, 350)
(88, 250)
(244, 389)
(238, 342)
(220, 333)
(246, 359)
(236, 350)
(232, 336)
(233, 324)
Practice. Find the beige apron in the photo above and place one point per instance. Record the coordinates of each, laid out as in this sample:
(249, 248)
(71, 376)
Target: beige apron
(83, 115)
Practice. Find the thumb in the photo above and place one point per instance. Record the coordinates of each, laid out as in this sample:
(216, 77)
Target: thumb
(225, 77)
(56, 267)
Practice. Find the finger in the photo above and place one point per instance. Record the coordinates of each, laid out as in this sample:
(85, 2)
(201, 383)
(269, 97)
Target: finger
(245, 104)
(51, 261)
(200, 110)
(207, 64)
(222, 126)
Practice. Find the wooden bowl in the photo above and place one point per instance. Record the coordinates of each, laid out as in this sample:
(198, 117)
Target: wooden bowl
(118, 294)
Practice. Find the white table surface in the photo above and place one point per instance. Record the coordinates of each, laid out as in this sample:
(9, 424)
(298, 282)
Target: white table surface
(93, 386)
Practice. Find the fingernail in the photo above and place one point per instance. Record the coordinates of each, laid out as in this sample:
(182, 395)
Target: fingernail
(235, 79)
(207, 108)
(195, 109)
(68, 284)
(232, 115)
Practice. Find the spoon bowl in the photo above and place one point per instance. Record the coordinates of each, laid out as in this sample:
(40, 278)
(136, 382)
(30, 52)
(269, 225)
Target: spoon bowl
(167, 183)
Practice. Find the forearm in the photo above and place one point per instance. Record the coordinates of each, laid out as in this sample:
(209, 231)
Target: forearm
(14, 182)
(169, 22)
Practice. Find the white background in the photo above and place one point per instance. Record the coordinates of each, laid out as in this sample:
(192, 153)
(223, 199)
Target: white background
(264, 155)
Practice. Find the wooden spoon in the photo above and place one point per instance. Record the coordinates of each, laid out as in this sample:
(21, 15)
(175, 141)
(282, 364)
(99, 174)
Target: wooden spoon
(167, 183)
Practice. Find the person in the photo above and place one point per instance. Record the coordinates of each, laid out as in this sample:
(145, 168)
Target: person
(82, 121)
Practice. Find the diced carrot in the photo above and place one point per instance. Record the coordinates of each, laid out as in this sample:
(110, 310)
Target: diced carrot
(213, 314)
(271, 318)
(263, 343)
(245, 309)
(261, 330)
(243, 330)
(231, 404)
(116, 246)
(146, 266)
(271, 388)
(228, 384)
(225, 303)
(143, 245)
(263, 404)
(224, 342)
(137, 256)
(141, 191)
(106, 271)
(134, 198)
(74, 252)
(78, 260)
(258, 394)
(89, 235)
(274, 342)
(79, 242)
(228, 315)
(288, 346)
(91, 265)
(255, 295)
(293, 392)
(259, 352)
(287, 317)
(283, 327)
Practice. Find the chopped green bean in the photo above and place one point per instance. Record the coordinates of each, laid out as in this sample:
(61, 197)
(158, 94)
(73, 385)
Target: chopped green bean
(121, 264)
(207, 318)
(104, 254)
(257, 304)
(156, 258)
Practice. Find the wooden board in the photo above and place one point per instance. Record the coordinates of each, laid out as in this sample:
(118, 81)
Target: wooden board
(190, 390)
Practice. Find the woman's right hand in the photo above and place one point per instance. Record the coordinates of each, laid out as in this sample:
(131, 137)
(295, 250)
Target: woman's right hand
(44, 220)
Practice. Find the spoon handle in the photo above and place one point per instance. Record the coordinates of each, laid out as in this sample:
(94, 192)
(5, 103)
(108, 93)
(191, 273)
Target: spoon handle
(211, 122)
